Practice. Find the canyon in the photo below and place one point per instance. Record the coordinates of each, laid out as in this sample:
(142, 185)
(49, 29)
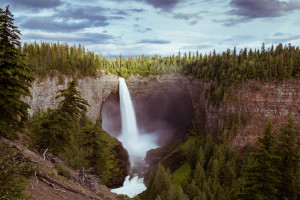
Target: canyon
(261, 101)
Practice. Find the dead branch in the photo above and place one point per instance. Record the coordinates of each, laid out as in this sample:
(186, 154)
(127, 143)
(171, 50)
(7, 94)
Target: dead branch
(44, 154)
(37, 181)
(53, 182)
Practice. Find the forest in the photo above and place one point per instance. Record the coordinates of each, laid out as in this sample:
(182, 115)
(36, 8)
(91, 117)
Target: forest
(212, 170)
(227, 69)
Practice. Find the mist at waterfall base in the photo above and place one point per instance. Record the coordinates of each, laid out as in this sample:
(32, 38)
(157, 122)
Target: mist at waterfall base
(162, 114)
(135, 143)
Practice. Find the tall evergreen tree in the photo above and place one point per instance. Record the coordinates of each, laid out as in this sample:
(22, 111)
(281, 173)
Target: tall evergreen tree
(289, 165)
(261, 175)
(15, 77)
(55, 129)
(72, 104)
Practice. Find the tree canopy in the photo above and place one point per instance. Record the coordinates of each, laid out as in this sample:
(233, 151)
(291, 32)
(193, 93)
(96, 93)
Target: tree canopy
(15, 77)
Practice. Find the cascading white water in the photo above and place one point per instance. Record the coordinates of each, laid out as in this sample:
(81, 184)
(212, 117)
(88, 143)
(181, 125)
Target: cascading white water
(129, 135)
(135, 143)
(129, 126)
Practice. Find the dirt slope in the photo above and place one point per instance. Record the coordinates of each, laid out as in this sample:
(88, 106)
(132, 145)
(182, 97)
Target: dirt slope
(46, 184)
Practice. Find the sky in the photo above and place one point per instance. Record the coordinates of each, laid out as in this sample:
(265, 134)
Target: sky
(164, 27)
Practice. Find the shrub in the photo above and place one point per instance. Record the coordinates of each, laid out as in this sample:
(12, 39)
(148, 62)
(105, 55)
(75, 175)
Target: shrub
(63, 171)
(15, 171)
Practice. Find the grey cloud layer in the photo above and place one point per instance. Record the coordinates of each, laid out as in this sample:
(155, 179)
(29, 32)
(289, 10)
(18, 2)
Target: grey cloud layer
(88, 38)
(281, 38)
(243, 11)
(73, 19)
(36, 4)
(153, 41)
(141, 29)
(162, 4)
(193, 18)
(262, 8)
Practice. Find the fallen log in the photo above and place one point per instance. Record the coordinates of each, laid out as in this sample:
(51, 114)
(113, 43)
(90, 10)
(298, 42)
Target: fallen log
(51, 181)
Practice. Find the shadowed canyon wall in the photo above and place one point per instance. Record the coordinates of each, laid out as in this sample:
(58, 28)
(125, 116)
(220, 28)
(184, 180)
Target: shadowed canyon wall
(166, 101)
(163, 107)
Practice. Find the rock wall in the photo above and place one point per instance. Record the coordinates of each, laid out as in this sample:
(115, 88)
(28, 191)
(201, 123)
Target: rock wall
(94, 90)
(261, 101)
(265, 101)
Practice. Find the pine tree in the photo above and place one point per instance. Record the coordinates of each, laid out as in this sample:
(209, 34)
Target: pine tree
(56, 128)
(72, 104)
(289, 165)
(98, 156)
(159, 184)
(15, 78)
(53, 130)
(261, 175)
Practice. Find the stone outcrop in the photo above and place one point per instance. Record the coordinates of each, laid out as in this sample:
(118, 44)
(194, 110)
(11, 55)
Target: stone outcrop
(94, 90)
(265, 101)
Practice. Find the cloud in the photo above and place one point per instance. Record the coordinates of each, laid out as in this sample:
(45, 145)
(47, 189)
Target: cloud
(52, 25)
(192, 17)
(198, 47)
(155, 41)
(281, 38)
(279, 34)
(72, 19)
(36, 4)
(231, 21)
(165, 5)
(184, 16)
(246, 10)
(240, 38)
(251, 9)
(142, 29)
(137, 10)
(91, 14)
(85, 38)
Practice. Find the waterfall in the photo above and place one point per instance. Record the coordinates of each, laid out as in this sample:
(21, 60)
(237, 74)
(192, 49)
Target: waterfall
(129, 126)
(129, 135)
(134, 142)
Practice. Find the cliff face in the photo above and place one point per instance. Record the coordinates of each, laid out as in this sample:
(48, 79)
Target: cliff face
(94, 90)
(263, 101)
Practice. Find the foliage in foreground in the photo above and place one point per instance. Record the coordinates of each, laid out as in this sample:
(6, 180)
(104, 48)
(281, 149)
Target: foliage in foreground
(15, 172)
(67, 131)
(213, 170)
(15, 77)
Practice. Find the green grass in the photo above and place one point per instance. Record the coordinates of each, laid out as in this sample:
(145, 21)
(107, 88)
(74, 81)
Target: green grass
(182, 174)
(192, 139)
(63, 171)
